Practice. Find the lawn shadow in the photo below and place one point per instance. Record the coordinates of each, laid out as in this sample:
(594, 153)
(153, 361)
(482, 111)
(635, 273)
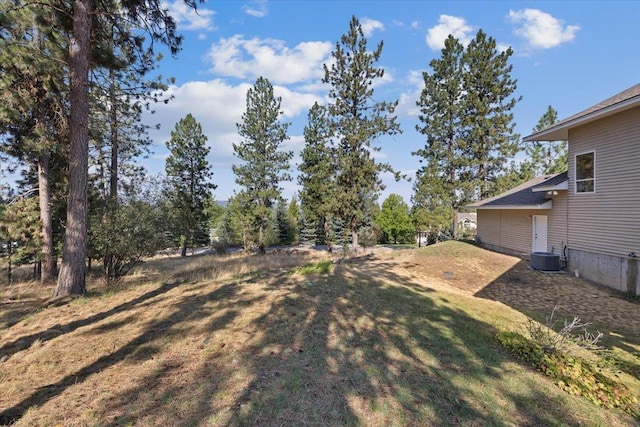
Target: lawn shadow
(54, 331)
(141, 347)
(365, 346)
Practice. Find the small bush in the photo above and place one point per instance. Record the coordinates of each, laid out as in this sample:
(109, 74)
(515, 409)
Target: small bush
(573, 374)
(320, 267)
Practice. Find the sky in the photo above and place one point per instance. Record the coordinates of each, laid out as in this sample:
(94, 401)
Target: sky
(567, 54)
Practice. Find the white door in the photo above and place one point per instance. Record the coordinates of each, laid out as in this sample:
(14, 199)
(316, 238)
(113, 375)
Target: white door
(539, 233)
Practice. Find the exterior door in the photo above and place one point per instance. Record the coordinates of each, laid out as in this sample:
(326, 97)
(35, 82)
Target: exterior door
(539, 233)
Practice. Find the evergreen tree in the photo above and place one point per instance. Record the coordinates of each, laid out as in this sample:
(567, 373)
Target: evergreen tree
(188, 174)
(293, 211)
(488, 120)
(394, 221)
(547, 157)
(264, 164)
(442, 113)
(33, 114)
(317, 174)
(357, 121)
(153, 19)
(431, 205)
(285, 228)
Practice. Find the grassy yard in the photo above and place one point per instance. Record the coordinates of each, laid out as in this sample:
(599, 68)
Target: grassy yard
(386, 339)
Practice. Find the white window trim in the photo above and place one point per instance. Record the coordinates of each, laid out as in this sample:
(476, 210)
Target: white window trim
(575, 173)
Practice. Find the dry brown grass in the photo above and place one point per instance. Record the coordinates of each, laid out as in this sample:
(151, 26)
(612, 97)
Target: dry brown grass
(248, 340)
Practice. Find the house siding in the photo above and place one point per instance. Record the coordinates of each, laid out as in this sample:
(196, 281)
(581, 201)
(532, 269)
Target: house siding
(606, 221)
(557, 237)
(507, 230)
(511, 230)
(603, 227)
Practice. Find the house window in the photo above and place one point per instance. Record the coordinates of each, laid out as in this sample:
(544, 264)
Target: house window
(586, 172)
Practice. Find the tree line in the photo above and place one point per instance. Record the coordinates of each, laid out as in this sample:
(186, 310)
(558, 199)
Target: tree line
(73, 120)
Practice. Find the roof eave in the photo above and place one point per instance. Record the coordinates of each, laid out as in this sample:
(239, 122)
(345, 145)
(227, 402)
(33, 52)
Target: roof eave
(560, 132)
(564, 185)
(546, 205)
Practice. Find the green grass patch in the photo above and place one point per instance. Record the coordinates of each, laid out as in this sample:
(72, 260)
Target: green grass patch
(318, 267)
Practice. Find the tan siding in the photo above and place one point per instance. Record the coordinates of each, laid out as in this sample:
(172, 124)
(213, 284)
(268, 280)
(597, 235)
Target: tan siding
(517, 230)
(512, 229)
(488, 230)
(607, 221)
(557, 223)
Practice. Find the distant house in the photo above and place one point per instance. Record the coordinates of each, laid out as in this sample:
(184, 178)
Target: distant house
(589, 213)
(466, 221)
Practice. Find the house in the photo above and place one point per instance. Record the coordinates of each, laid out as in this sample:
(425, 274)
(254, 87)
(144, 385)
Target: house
(528, 218)
(590, 215)
(466, 221)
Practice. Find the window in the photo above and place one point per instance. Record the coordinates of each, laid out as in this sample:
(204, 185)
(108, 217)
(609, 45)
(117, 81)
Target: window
(586, 172)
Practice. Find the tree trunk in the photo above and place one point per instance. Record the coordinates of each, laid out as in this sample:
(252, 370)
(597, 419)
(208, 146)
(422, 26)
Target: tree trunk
(47, 256)
(327, 234)
(71, 279)
(261, 237)
(354, 236)
(185, 242)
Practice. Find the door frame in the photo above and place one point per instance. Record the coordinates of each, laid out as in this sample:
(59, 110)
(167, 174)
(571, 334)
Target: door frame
(539, 236)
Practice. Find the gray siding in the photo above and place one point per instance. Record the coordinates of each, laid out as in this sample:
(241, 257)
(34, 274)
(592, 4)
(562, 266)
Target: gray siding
(607, 221)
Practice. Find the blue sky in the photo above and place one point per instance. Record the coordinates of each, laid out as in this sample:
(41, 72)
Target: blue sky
(568, 54)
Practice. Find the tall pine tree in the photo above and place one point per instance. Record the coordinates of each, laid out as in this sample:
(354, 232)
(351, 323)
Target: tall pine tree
(264, 164)
(188, 177)
(547, 157)
(488, 120)
(441, 105)
(357, 121)
(317, 174)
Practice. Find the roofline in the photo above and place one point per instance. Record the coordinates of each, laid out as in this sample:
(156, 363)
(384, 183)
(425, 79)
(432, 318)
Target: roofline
(564, 185)
(560, 131)
(546, 205)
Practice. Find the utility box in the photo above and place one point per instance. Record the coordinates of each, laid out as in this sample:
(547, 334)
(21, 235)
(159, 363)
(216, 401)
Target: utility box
(545, 261)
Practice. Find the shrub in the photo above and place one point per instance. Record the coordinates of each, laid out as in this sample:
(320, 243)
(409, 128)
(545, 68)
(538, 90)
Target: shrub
(573, 373)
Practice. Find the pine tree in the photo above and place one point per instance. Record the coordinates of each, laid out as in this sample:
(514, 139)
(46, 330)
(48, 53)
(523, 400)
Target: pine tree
(358, 121)
(154, 20)
(488, 120)
(317, 173)
(264, 165)
(442, 113)
(33, 111)
(188, 175)
(293, 211)
(547, 157)
(431, 204)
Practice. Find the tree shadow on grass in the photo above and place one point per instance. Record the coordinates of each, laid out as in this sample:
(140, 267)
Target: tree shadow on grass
(141, 347)
(365, 346)
(24, 342)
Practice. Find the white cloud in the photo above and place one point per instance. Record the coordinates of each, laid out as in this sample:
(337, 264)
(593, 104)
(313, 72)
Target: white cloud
(447, 24)
(256, 8)
(370, 25)
(249, 58)
(541, 30)
(189, 19)
(407, 102)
